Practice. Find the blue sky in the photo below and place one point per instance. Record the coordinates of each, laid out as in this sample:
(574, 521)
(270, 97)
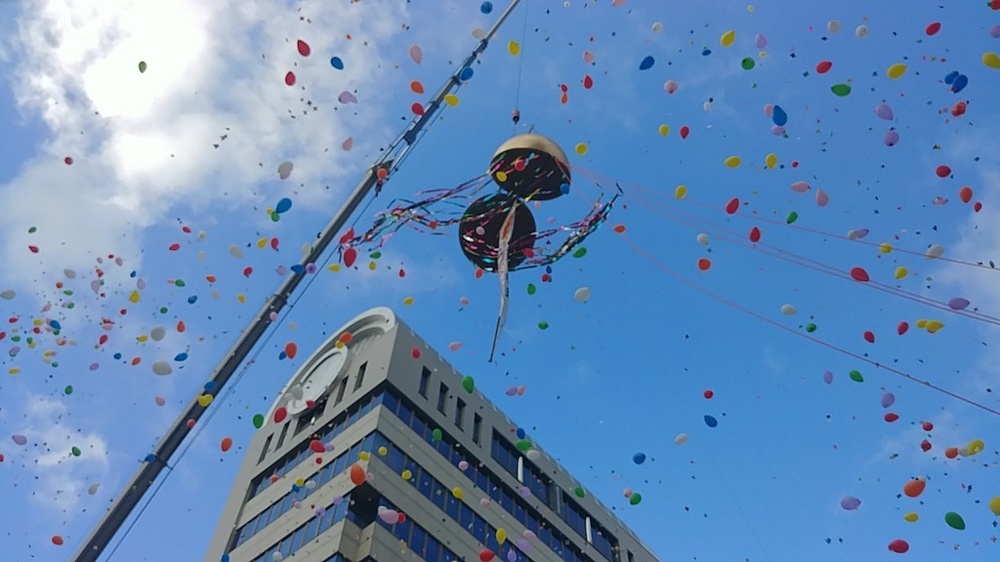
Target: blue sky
(624, 372)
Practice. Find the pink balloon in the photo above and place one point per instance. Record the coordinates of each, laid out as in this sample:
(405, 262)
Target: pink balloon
(416, 53)
(388, 516)
(822, 199)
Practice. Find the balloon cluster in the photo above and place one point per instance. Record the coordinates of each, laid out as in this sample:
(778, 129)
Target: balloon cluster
(527, 167)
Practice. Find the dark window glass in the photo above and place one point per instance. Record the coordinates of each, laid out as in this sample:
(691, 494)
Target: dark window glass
(418, 541)
(477, 426)
(465, 515)
(482, 480)
(433, 551)
(459, 413)
(425, 379)
(341, 390)
(439, 494)
(263, 452)
(281, 440)
(452, 507)
(405, 413)
(360, 380)
(425, 483)
(479, 528)
(395, 459)
(390, 402)
(442, 397)
(418, 425)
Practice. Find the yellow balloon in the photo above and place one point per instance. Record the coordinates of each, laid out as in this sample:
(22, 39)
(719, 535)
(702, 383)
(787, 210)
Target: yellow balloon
(457, 492)
(934, 325)
(406, 475)
(300, 482)
(732, 162)
(408, 301)
(14, 370)
(335, 267)
(995, 505)
(581, 149)
(727, 38)
(383, 451)
(991, 60)
(771, 160)
(262, 243)
(501, 535)
(664, 130)
(371, 265)
(364, 455)
(205, 399)
(976, 446)
(901, 272)
(451, 99)
(921, 324)
(242, 298)
(514, 47)
(134, 297)
(501, 176)
(897, 70)
(142, 338)
(911, 517)
(885, 247)
(681, 192)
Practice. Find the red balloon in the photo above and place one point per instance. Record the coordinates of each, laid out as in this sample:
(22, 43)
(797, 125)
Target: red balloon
(890, 417)
(290, 78)
(951, 452)
(755, 234)
(959, 108)
(291, 350)
(401, 518)
(733, 205)
(417, 109)
(280, 414)
(226, 444)
(415, 353)
(708, 394)
(927, 426)
(588, 82)
(933, 28)
(859, 274)
(303, 48)
(485, 555)
(317, 446)
(704, 264)
(925, 445)
(350, 255)
(823, 66)
(174, 247)
(57, 540)
(357, 475)
(977, 207)
(68, 160)
(902, 328)
(942, 171)
(685, 131)
(899, 546)
(869, 336)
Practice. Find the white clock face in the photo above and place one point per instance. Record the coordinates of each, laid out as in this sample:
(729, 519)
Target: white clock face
(318, 380)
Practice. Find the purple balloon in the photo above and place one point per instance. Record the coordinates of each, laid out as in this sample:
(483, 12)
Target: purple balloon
(891, 137)
(19, 439)
(958, 303)
(828, 377)
(995, 32)
(347, 97)
(760, 41)
(883, 111)
(523, 545)
(777, 130)
(888, 399)
(850, 503)
(512, 555)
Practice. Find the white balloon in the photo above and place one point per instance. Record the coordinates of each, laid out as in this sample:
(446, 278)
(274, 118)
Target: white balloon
(478, 33)
(533, 454)
(92, 489)
(285, 169)
(935, 251)
(681, 439)
(657, 27)
(162, 368)
(8, 294)
(69, 273)
(788, 310)
(158, 333)
(833, 26)
(861, 31)
(582, 294)
(235, 251)
(703, 239)
(297, 392)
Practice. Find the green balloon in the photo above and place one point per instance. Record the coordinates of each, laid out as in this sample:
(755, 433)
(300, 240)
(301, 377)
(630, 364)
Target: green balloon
(436, 434)
(523, 445)
(68, 389)
(179, 282)
(376, 255)
(841, 89)
(275, 216)
(856, 376)
(531, 288)
(792, 217)
(635, 498)
(258, 420)
(810, 327)
(469, 384)
(954, 520)
(142, 66)
(543, 325)
(579, 492)
(748, 63)
(580, 252)
(76, 453)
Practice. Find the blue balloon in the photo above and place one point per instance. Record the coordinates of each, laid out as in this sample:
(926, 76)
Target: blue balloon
(117, 356)
(779, 116)
(639, 458)
(209, 386)
(466, 73)
(646, 63)
(564, 188)
(225, 558)
(486, 7)
(283, 206)
(297, 268)
(711, 421)
(521, 433)
(960, 83)
(55, 324)
(192, 299)
(282, 356)
(150, 457)
(337, 63)
(706, 52)
(950, 78)
(183, 357)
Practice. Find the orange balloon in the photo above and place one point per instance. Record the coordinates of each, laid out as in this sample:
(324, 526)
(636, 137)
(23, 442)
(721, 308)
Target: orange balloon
(965, 194)
(211, 278)
(417, 87)
(291, 349)
(57, 540)
(346, 337)
(951, 452)
(136, 361)
(704, 264)
(227, 443)
(357, 475)
(181, 326)
(914, 488)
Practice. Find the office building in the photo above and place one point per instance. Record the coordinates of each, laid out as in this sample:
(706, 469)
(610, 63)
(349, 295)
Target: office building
(377, 450)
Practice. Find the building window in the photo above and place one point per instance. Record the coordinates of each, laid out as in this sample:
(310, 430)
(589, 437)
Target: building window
(263, 452)
(477, 426)
(425, 379)
(361, 376)
(459, 414)
(281, 440)
(341, 390)
(442, 397)
(630, 557)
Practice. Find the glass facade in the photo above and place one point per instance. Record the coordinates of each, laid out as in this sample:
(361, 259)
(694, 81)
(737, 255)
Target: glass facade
(302, 535)
(418, 539)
